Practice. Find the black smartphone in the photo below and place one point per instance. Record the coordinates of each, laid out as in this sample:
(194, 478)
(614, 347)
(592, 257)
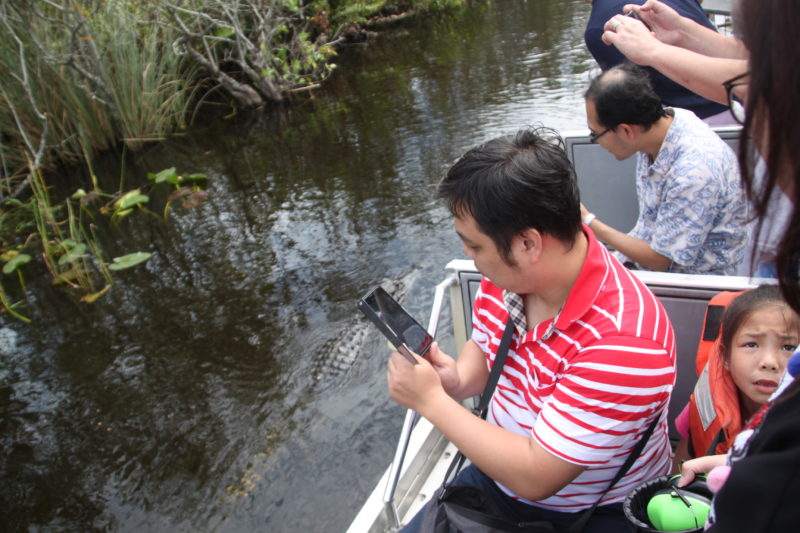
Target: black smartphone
(395, 323)
(635, 15)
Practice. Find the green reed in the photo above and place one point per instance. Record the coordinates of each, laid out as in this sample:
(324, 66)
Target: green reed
(82, 78)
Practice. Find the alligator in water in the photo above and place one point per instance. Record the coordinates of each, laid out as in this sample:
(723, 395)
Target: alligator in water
(338, 354)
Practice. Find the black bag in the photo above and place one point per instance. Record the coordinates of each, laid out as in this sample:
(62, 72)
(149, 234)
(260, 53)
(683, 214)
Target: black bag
(465, 509)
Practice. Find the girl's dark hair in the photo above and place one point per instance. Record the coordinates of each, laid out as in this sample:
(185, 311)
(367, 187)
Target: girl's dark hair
(624, 94)
(769, 30)
(514, 183)
(744, 305)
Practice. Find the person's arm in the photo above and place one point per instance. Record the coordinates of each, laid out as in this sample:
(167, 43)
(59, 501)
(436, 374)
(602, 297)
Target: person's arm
(701, 465)
(671, 28)
(699, 72)
(634, 248)
(518, 462)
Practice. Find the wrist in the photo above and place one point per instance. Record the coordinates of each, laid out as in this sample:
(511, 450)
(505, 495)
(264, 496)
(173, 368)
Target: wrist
(686, 33)
(434, 404)
(589, 218)
(452, 387)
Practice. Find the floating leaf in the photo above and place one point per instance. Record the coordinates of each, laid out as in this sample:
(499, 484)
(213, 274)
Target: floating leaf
(123, 213)
(15, 262)
(168, 175)
(75, 252)
(127, 261)
(131, 199)
(8, 255)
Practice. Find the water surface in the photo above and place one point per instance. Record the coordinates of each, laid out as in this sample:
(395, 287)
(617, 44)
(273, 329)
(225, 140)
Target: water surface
(228, 384)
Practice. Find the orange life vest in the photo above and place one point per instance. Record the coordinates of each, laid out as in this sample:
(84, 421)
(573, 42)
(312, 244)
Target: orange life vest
(714, 412)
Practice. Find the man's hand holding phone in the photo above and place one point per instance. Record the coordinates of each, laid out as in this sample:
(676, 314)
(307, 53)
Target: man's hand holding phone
(415, 386)
(446, 367)
(399, 327)
(418, 370)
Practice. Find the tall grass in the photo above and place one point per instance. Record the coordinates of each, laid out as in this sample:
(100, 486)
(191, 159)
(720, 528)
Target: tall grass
(106, 72)
(136, 90)
(82, 77)
(152, 86)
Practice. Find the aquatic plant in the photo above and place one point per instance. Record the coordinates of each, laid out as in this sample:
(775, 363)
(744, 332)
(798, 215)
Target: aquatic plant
(82, 80)
(63, 234)
(86, 77)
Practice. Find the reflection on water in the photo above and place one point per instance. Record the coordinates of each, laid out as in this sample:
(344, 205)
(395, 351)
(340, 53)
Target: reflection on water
(230, 384)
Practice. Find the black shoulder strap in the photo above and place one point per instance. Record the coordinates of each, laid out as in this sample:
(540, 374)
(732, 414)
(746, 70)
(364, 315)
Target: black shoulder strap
(486, 395)
(719, 438)
(580, 523)
(497, 368)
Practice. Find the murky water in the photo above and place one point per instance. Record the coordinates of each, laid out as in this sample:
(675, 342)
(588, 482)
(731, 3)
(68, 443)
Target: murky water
(230, 384)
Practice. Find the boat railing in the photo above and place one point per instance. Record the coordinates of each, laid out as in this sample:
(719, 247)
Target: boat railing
(390, 509)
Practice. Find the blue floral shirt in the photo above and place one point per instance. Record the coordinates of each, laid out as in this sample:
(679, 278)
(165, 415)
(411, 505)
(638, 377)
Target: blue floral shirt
(692, 207)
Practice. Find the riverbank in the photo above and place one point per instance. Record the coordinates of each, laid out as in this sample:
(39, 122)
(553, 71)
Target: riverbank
(122, 76)
(82, 81)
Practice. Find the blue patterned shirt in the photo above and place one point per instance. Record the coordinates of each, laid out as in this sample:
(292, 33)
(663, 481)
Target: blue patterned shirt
(692, 207)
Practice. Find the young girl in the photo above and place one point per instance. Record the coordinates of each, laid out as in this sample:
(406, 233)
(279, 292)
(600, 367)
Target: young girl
(759, 333)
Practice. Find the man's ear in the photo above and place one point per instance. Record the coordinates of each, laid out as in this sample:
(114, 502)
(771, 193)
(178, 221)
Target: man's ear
(531, 242)
(628, 132)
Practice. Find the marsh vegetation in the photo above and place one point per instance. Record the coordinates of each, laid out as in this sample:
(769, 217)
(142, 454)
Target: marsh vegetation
(86, 77)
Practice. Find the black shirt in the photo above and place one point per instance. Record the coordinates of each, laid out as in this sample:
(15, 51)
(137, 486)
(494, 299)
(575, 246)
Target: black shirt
(762, 493)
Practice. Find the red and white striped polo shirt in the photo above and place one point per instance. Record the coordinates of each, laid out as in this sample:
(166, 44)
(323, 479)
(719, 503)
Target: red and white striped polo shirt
(588, 383)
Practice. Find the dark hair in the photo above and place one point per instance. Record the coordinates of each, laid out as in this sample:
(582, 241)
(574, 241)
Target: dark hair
(769, 30)
(744, 305)
(513, 183)
(624, 94)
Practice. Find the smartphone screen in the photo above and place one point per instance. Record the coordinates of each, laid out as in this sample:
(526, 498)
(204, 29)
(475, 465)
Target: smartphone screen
(395, 322)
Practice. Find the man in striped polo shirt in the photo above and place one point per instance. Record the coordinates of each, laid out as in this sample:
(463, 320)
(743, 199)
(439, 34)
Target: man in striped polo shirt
(592, 358)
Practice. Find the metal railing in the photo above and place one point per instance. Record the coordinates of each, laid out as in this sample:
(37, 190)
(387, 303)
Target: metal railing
(411, 417)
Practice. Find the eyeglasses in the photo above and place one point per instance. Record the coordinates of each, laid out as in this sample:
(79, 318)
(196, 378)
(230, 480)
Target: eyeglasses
(594, 136)
(734, 102)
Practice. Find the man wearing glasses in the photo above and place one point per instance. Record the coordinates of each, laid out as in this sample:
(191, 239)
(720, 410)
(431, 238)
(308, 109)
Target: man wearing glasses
(714, 66)
(692, 213)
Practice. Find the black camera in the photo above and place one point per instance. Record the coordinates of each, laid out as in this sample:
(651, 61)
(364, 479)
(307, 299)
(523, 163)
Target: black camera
(635, 15)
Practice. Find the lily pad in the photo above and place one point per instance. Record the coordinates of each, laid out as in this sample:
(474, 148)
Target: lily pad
(15, 262)
(127, 261)
(75, 252)
(168, 175)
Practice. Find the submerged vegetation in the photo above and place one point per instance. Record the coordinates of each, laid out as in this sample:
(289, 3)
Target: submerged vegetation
(84, 77)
